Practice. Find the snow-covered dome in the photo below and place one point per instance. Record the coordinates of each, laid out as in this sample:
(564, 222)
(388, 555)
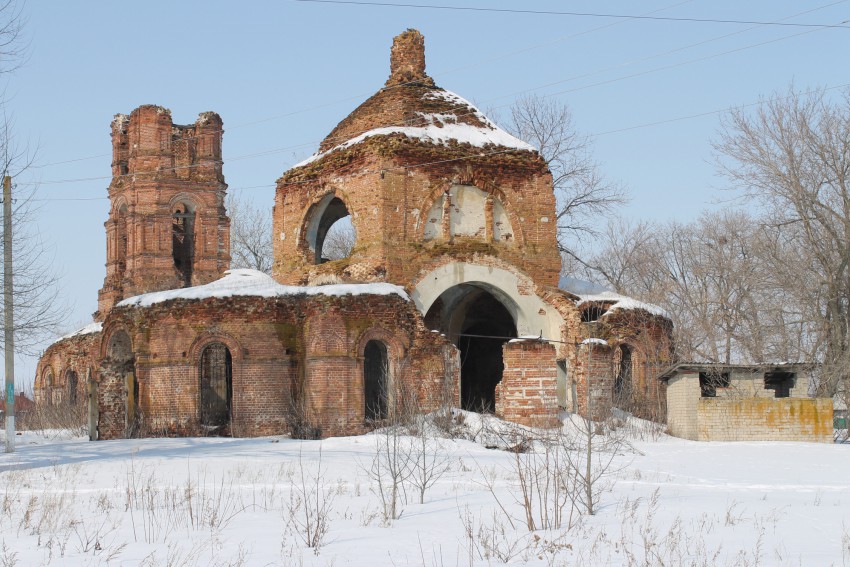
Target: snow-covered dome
(411, 106)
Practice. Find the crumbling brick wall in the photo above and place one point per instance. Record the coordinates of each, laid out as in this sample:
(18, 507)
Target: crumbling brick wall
(79, 354)
(526, 394)
(389, 184)
(157, 166)
(292, 353)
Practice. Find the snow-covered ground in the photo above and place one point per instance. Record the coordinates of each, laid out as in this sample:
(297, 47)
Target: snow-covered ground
(214, 501)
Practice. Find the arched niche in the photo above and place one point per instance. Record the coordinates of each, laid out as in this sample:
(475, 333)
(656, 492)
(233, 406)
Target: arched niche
(467, 211)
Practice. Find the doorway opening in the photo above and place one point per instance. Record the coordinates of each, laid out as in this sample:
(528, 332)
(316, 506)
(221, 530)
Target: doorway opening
(475, 318)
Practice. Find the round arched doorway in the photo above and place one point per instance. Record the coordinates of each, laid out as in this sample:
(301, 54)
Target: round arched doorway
(478, 322)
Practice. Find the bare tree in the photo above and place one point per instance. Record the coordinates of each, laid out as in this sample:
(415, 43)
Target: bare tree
(583, 196)
(792, 157)
(717, 277)
(250, 234)
(340, 240)
(38, 311)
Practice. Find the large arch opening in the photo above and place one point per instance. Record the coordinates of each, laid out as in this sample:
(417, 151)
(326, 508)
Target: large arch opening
(216, 386)
(330, 233)
(376, 371)
(479, 323)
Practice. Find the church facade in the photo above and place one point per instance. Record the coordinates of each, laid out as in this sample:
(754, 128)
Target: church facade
(449, 295)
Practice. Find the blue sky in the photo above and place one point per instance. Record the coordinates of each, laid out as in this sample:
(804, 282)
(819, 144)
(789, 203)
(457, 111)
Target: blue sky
(282, 74)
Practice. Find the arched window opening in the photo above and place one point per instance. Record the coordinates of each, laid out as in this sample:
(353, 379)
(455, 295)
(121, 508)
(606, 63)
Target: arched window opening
(327, 245)
(72, 383)
(216, 387)
(375, 380)
(339, 240)
(182, 242)
(623, 380)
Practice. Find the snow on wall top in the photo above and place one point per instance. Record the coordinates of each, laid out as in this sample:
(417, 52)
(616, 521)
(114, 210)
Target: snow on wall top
(253, 283)
(440, 129)
(620, 302)
(87, 330)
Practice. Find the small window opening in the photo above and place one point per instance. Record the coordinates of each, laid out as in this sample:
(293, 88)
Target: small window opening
(710, 381)
(72, 387)
(182, 242)
(623, 380)
(375, 380)
(780, 382)
(121, 237)
(592, 313)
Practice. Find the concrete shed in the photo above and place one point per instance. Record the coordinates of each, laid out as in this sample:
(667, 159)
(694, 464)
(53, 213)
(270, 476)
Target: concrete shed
(766, 402)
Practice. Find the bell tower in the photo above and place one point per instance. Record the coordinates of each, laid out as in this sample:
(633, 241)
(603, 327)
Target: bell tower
(167, 225)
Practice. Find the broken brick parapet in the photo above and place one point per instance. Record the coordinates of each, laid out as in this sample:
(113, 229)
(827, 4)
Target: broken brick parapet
(527, 392)
(163, 172)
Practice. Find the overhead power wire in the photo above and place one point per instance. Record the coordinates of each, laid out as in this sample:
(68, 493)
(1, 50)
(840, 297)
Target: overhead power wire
(478, 154)
(840, 25)
(473, 111)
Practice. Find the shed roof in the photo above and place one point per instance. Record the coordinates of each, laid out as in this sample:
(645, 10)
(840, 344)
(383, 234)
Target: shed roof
(682, 367)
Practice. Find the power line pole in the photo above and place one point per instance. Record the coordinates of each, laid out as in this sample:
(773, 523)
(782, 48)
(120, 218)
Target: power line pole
(8, 319)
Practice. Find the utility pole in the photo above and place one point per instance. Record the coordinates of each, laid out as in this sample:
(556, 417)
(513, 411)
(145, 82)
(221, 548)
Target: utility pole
(8, 315)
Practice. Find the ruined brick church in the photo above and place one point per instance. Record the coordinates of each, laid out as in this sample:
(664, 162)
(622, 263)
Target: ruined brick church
(449, 295)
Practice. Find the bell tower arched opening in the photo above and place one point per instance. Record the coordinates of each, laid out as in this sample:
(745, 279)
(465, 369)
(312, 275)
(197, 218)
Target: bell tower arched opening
(479, 322)
(183, 242)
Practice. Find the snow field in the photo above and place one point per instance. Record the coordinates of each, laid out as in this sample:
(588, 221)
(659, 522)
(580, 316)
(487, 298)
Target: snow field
(665, 501)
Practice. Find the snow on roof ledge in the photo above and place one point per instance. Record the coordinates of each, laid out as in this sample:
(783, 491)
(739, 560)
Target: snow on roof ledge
(621, 302)
(87, 330)
(253, 283)
(441, 129)
(599, 342)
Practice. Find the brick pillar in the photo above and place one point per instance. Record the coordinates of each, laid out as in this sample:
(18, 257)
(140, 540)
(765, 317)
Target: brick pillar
(595, 361)
(527, 393)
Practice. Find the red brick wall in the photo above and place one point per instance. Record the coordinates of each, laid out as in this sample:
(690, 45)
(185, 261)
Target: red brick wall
(526, 394)
(307, 344)
(156, 164)
(77, 353)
